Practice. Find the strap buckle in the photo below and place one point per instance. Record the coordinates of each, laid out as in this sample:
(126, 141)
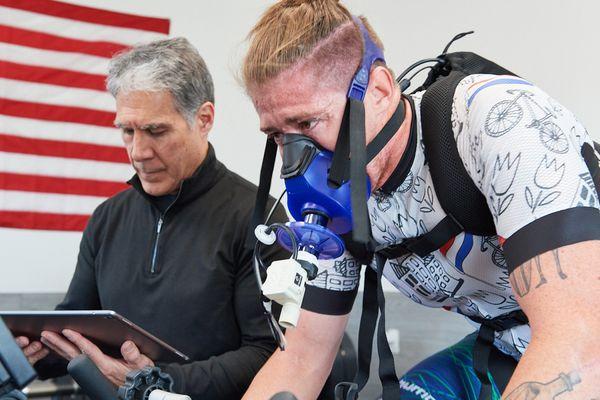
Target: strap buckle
(504, 321)
(346, 391)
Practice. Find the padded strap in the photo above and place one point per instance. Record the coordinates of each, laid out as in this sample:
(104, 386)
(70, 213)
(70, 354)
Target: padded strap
(456, 191)
(262, 194)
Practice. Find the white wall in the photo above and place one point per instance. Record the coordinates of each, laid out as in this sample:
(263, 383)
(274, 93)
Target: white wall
(550, 42)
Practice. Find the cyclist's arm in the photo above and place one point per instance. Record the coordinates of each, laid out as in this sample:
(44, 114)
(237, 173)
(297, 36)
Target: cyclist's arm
(305, 364)
(558, 291)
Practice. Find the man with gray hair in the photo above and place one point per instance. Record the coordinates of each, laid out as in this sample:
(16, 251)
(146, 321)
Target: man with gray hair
(169, 252)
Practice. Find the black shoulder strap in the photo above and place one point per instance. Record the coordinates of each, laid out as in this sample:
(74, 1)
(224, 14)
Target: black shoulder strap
(456, 191)
(463, 202)
(591, 160)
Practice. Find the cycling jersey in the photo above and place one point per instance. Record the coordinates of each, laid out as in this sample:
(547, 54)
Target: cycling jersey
(522, 150)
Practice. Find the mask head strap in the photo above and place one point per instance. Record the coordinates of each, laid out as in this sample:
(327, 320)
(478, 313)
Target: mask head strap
(351, 139)
(262, 194)
(357, 90)
(371, 54)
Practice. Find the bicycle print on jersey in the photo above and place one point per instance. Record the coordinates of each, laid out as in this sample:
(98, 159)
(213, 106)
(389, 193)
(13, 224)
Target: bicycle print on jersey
(505, 115)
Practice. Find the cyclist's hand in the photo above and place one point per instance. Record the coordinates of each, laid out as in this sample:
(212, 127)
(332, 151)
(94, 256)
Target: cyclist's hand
(34, 351)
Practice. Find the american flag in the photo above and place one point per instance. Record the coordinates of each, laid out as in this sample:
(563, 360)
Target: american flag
(60, 155)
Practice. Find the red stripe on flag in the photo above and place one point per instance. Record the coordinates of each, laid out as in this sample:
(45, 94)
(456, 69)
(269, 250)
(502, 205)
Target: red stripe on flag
(51, 76)
(56, 148)
(50, 184)
(90, 14)
(25, 37)
(47, 221)
(48, 112)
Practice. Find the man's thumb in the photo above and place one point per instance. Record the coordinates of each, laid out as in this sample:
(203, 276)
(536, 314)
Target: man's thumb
(130, 352)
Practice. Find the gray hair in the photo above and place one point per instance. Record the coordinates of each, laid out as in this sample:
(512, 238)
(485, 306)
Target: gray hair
(171, 64)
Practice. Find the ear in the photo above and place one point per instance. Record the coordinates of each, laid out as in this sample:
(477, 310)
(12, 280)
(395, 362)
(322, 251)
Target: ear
(205, 117)
(381, 88)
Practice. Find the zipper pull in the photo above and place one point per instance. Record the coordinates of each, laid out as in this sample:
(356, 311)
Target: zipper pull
(155, 250)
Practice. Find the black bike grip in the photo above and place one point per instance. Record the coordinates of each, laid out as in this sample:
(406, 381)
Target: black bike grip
(284, 396)
(91, 380)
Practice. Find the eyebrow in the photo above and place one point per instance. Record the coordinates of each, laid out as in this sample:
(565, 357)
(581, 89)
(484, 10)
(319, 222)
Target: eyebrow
(146, 127)
(300, 118)
(155, 126)
(296, 119)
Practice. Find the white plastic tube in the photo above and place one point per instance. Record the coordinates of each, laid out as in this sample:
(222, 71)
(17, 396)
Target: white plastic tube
(162, 395)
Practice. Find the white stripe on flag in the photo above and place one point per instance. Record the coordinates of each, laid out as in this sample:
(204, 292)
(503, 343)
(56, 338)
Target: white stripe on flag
(64, 167)
(56, 95)
(13, 200)
(53, 59)
(63, 131)
(74, 29)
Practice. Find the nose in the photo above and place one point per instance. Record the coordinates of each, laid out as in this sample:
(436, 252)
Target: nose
(140, 147)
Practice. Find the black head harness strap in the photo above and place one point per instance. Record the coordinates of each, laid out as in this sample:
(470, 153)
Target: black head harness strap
(351, 141)
(262, 194)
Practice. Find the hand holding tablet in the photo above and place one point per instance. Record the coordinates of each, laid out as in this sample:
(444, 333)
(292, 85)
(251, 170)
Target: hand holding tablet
(107, 331)
(72, 344)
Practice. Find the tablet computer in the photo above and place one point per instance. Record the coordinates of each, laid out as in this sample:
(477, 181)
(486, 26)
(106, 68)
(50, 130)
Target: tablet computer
(105, 328)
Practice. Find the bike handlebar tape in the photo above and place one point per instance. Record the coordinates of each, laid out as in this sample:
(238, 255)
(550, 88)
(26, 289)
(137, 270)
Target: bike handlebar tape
(284, 396)
(162, 395)
(91, 380)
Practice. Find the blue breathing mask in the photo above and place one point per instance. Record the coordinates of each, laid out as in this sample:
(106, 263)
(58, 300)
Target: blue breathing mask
(322, 211)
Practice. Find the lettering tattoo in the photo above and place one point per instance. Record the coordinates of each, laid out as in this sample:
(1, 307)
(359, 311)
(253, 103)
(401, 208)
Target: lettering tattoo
(545, 391)
(522, 277)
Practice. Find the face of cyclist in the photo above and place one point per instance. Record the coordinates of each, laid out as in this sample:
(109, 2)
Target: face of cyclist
(300, 103)
(295, 104)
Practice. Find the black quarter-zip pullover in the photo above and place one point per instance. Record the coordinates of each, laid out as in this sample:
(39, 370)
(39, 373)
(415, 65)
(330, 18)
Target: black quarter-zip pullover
(184, 274)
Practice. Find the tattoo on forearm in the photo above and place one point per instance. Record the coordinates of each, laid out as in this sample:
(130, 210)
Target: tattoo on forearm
(545, 391)
(522, 277)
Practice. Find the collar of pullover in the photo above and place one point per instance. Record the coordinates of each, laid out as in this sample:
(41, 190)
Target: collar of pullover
(201, 181)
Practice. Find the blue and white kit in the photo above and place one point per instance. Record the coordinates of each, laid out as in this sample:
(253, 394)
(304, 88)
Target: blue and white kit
(523, 151)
